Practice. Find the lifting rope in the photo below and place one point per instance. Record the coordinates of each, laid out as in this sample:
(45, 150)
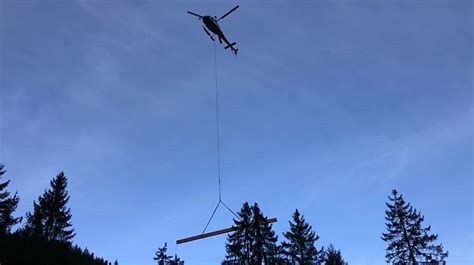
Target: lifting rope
(217, 123)
(218, 148)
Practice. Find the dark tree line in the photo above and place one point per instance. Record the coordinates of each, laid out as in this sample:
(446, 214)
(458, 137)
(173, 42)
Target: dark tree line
(46, 238)
(255, 242)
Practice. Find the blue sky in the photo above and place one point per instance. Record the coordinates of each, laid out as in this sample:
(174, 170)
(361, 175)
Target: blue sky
(329, 106)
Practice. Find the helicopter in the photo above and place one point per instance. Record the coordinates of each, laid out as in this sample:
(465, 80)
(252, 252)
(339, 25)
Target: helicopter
(212, 24)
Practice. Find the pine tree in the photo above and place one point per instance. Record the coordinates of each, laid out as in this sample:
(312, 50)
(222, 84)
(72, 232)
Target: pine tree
(116, 262)
(333, 257)
(176, 261)
(299, 247)
(253, 241)
(51, 219)
(8, 205)
(34, 226)
(161, 257)
(239, 243)
(264, 247)
(407, 241)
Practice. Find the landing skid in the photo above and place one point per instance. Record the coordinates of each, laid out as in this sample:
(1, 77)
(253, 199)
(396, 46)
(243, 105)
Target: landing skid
(208, 34)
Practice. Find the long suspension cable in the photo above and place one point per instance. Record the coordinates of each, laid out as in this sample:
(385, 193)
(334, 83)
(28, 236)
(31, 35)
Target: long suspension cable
(217, 123)
(218, 148)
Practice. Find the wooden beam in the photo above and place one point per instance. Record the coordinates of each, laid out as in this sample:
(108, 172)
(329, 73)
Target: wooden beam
(218, 232)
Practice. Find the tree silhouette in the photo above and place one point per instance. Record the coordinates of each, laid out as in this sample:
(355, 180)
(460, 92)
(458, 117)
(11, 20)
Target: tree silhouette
(176, 260)
(253, 241)
(264, 244)
(21, 249)
(239, 243)
(333, 257)
(161, 257)
(8, 205)
(407, 241)
(45, 239)
(50, 219)
(299, 247)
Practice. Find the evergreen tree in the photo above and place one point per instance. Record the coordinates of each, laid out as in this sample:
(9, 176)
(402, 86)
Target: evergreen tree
(8, 205)
(116, 262)
(239, 243)
(51, 219)
(253, 241)
(264, 247)
(280, 257)
(333, 257)
(176, 261)
(34, 226)
(299, 247)
(161, 257)
(407, 241)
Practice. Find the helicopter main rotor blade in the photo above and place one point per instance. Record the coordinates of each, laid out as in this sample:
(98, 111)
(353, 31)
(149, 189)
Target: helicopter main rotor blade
(226, 14)
(194, 14)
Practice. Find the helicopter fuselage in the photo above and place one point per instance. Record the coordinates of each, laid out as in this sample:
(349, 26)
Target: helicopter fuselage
(212, 25)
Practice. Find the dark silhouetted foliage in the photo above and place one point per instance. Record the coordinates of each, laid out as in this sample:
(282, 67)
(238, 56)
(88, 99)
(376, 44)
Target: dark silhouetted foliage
(160, 255)
(20, 249)
(163, 259)
(8, 205)
(254, 241)
(264, 247)
(333, 256)
(45, 239)
(408, 242)
(51, 219)
(299, 247)
(239, 243)
(176, 260)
